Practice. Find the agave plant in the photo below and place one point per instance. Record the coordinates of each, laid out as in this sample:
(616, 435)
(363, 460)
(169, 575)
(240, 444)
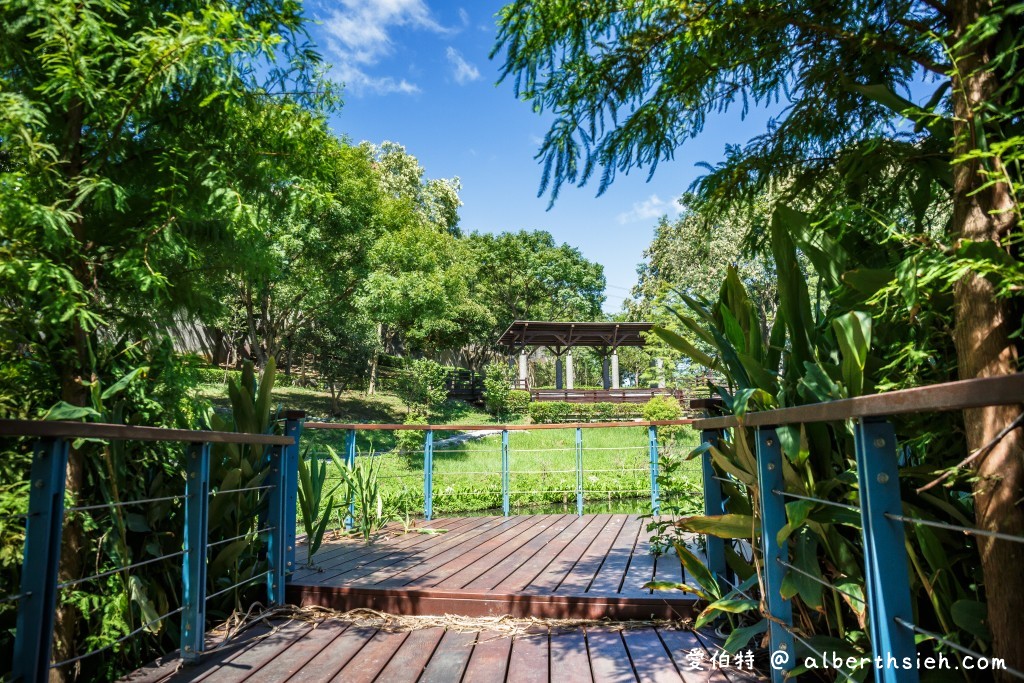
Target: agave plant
(315, 517)
(808, 356)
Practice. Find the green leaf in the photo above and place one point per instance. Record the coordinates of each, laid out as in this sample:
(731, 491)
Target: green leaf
(140, 596)
(680, 344)
(972, 616)
(121, 384)
(665, 586)
(853, 332)
(722, 526)
(739, 637)
(698, 570)
(66, 411)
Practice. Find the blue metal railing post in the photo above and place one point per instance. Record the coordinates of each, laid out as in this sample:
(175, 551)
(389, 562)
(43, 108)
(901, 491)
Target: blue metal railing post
(652, 438)
(579, 471)
(713, 502)
(886, 570)
(350, 460)
(290, 476)
(276, 555)
(193, 571)
(428, 475)
(504, 473)
(773, 518)
(43, 531)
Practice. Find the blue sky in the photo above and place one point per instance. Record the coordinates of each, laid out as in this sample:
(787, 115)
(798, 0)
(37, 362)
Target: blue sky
(417, 72)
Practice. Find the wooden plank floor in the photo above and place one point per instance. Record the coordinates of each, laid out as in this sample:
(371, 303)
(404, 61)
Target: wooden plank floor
(546, 566)
(333, 650)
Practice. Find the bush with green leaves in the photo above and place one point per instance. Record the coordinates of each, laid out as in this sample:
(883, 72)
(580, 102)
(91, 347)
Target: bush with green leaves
(498, 387)
(550, 412)
(411, 441)
(422, 385)
(517, 402)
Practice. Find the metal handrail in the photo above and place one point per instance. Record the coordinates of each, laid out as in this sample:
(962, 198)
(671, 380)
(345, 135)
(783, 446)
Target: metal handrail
(59, 429)
(959, 395)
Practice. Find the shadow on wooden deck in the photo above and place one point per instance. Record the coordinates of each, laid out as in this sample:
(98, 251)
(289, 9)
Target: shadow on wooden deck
(544, 566)
(333, 650)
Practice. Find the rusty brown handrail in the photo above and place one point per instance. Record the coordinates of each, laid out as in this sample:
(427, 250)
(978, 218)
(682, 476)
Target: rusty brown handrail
(99, 430)
(495, 427)
(959, 395)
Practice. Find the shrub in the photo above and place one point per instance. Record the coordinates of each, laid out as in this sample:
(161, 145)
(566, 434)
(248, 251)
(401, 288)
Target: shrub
(664, 408)
(517, 402)
(498, 388)
(411, 440)
(421, 385)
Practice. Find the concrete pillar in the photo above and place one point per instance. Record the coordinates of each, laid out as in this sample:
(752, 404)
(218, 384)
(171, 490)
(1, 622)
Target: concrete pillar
(659, 363)
(615, 370)
(558, 372)
(523, 368)
(569, 379)
(606, 381)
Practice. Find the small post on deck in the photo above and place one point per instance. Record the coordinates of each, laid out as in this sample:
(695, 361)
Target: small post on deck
(290, 466)
(713, 503)
(193, 572)
(428, 475)
(504, 473)
(276, 516)
(350, 460)
(773, 518)
(43, 530)
(579, 471)
(885, 558)
(652, 438)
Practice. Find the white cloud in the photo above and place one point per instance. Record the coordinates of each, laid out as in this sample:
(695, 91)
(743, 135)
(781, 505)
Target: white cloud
(463, 71)
(358, 37)
(649, 209)
(464, 16)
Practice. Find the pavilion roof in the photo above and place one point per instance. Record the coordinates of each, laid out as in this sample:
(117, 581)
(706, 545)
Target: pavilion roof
(569, 334)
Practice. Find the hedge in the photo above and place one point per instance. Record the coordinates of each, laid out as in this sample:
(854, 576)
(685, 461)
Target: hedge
(550, 412)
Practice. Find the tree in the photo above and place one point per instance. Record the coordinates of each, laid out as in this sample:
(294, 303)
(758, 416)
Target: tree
(628, 83)
(526, 275)
(131, 144)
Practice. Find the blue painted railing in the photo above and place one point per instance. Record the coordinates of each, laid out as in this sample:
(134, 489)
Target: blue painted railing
(37, 599)
(892, 630)
(504, 456)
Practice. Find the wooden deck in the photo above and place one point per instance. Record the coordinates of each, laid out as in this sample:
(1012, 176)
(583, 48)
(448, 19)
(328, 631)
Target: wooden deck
(334, 650)
(545, 566)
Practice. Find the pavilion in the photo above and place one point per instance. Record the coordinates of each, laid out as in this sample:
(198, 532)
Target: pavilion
(560, 338)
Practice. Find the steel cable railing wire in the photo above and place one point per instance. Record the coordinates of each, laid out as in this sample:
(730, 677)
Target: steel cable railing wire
(238, 585)
(111, 572)
(14, 597)
(844, 506)
(104, 506)
(821, 582)
(789, 629)
(240, 537)
(78, 658)
(955, 527)
(956, 646)
(241, 490)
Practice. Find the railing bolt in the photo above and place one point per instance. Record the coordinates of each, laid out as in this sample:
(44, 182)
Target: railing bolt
(771, 465)
(783, 646)
(770, 442)
(39, 484)
(883, 478)
(879, 443)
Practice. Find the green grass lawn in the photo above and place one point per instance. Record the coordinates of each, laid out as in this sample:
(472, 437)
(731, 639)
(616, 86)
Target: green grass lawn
(467, 476)
(542, 466)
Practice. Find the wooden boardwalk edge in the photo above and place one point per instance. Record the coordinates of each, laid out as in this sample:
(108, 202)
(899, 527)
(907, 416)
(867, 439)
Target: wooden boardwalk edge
(423, 602)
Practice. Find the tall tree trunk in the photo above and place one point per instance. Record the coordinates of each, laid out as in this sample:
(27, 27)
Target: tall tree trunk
(984, 348)
(375, 360)
(75, 366)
